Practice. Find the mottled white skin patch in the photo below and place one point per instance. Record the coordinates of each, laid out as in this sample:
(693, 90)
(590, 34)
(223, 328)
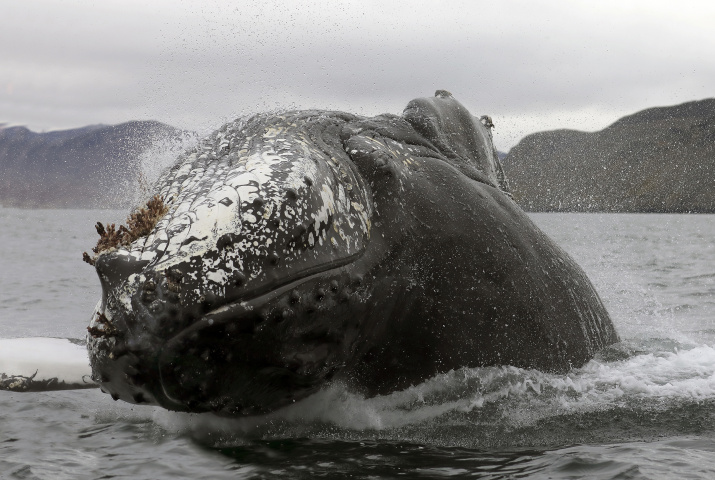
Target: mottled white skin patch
(212, 191)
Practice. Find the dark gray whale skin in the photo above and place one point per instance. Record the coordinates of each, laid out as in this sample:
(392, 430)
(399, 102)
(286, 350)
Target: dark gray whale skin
(425, 265)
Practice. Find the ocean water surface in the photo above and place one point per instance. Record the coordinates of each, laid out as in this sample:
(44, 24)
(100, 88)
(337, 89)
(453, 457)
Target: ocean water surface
(644, 408)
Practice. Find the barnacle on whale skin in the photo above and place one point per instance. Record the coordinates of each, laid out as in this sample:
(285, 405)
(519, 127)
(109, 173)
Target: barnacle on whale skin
(139, 224)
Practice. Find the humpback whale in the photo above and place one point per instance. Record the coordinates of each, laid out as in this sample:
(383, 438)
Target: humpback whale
(293, 249)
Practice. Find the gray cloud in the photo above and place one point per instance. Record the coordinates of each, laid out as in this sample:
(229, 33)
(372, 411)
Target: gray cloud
(531, 65)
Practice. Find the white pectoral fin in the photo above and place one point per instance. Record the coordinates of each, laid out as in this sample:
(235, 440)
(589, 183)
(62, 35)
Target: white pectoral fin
(44, 363)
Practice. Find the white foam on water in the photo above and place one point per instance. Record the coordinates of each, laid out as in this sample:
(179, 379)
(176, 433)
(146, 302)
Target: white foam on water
(49, 357)
(684, 374)
(523, 395)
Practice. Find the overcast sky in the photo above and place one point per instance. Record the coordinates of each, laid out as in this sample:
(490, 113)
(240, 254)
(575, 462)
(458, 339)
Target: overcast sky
(532, 65)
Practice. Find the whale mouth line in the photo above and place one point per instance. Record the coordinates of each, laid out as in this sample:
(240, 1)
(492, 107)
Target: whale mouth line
(246, 304)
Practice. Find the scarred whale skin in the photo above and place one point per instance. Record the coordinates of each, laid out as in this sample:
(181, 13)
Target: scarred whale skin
(307, 247)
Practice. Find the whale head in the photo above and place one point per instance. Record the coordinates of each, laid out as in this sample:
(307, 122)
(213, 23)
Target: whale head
(231, 302)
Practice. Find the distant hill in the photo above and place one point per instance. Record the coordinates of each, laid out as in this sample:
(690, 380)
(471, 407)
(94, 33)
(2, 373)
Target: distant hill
(91, 167)
(657, 160)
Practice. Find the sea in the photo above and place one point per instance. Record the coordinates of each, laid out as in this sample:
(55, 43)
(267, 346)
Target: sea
(642, 409)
